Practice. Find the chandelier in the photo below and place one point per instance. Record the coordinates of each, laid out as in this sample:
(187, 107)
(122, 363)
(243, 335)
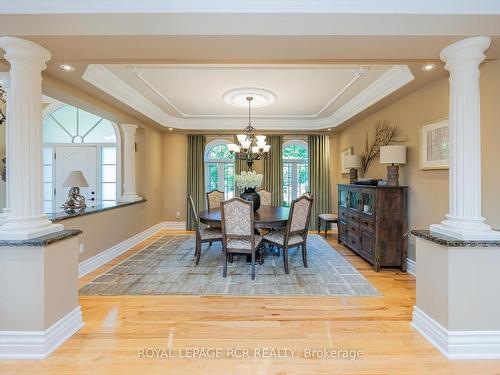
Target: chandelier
(251, 147)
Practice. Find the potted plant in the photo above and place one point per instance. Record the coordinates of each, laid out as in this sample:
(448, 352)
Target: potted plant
(247, 182)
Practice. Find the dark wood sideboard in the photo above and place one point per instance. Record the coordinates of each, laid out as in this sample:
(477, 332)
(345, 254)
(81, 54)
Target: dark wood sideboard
(373, 223)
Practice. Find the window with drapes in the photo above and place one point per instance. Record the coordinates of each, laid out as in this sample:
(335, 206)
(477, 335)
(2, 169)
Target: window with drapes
(219, 168)
(295, 170)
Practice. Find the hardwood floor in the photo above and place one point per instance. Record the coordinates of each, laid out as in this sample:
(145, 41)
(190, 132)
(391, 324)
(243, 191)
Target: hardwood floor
(118, 328)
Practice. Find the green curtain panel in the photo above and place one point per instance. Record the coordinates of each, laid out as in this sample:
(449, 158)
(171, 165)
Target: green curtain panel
(319, 176)
(273, 170)
(195, 175)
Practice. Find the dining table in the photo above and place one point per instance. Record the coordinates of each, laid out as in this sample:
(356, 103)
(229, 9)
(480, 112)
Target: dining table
(266, 217)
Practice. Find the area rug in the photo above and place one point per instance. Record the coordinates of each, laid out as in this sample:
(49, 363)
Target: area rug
(167, 267)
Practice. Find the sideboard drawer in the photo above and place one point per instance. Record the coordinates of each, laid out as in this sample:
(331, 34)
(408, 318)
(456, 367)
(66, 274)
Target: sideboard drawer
(353, 218)
(343, 214)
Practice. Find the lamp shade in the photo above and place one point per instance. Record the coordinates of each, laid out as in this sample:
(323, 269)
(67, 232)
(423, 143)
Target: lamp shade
(393, 154)
(352, 161)
(75, 179)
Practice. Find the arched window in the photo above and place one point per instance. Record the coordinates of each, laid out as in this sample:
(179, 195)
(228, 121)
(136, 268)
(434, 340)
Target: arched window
(295, 170)
(75, 139)
(219, 168)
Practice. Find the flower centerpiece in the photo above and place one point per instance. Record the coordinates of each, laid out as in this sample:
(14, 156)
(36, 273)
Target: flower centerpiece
(247, 182)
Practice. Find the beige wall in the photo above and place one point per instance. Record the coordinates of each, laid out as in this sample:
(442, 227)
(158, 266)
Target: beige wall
(428, 190)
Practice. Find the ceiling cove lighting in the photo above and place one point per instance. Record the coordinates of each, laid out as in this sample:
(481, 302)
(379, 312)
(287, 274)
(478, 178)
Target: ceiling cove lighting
(251, 147)
(67, 67)
(428, 67)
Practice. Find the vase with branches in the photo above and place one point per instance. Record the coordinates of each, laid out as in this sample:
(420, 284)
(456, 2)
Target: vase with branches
(385, 134)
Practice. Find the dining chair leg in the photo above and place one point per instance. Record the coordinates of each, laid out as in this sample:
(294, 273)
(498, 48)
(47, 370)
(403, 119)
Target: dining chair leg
(198, 251)
(224, 270)
(285, 259)
(319, 225)
(253, 264)
(304, 254)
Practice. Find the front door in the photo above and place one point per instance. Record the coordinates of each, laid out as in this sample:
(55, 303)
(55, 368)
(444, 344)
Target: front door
(76, 158)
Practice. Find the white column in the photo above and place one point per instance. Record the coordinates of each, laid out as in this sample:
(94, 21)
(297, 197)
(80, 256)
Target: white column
(24, 142)
(129, 190)
(5, 82)
(464, 220)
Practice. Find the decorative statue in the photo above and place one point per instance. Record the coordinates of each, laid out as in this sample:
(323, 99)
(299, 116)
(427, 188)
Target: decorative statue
(75, 201)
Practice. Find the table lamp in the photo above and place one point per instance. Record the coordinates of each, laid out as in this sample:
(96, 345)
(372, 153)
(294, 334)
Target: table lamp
(353, 163)
(393, 155)
(75, 181)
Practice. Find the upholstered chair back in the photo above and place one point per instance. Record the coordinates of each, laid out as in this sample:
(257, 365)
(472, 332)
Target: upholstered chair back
(265, 198)
(214, 199)
(237, 218)
(307, 194)
(194, 213)
(300, 211)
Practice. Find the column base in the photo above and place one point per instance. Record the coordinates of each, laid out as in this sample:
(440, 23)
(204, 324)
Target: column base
(130, 198)
(4, 215)
(28, 228)
(467, 229)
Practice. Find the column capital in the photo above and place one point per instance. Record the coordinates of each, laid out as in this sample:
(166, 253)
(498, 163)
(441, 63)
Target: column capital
(17, 49)
(129, 127)
(471, 49)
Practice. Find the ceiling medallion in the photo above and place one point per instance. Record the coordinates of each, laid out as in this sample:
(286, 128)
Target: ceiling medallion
(260, 97)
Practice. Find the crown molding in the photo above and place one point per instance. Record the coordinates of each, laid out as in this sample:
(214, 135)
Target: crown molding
(410, 7)
(102, 78)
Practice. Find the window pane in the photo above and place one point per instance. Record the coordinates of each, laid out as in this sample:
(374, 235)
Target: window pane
(108, 191)
(47, 155)
(66, 116)
(47, 191)
(47, 207)
(219, 152)
(53, 133)
(108, 155)
(102, 133)
(287, 183)
(295, 152)
(303, 178)
(86, 122)
(108, 173)
(212, 176)
(229, 180)
(47, 173)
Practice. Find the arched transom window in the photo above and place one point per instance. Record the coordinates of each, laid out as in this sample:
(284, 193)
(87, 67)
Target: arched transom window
(75, 139)
(295, 170)
(219, 168)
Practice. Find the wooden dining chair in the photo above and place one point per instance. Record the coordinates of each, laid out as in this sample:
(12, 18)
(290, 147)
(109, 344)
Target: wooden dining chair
(295, 234)
(238, 234)
(203, 235)
(214, 199)
(265, 198)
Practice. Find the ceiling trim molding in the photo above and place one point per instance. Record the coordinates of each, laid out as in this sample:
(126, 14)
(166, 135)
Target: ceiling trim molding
(139, 73)
(413, 7)
(101, 77)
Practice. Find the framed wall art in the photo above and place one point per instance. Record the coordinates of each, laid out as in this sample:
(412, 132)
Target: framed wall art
(435, 145)
(343, 152)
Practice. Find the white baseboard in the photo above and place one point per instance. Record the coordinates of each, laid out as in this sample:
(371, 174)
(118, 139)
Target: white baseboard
(177, 225)
(39, 344)
(457, 344)
(411, 267)
(105, 256)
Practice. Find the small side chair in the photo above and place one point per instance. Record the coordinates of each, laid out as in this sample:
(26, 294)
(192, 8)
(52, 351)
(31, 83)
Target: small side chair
(214, 199)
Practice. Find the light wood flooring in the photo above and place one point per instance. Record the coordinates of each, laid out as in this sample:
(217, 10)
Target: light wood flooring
(118, 328)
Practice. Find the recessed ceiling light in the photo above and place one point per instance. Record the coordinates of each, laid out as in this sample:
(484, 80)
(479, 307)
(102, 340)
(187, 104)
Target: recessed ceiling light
(428, 67)
(329, 129)
(67, 67)
(170, 129)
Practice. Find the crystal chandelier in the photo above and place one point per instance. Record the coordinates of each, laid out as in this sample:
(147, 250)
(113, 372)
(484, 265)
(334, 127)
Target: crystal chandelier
(251, 147)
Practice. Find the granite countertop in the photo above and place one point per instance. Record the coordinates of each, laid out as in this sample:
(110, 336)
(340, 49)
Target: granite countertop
(452, 242)
(43, 240)
(60, 216)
